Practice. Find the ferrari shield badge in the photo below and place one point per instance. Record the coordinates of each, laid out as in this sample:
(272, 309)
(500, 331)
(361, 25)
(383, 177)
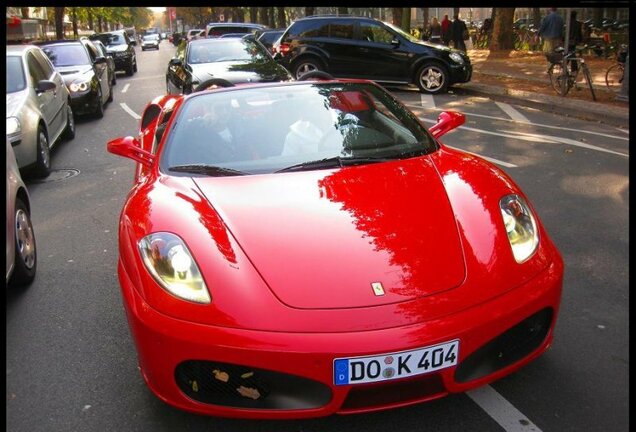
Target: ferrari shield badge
(378, 289)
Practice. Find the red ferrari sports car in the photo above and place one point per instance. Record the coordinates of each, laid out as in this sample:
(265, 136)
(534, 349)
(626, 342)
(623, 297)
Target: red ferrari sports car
(306, 248)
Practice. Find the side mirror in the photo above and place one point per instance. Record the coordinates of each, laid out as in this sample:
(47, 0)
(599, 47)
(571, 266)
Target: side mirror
(395, 42)
(44, 86)
(175, 62)
(129, 147)
(446, 122)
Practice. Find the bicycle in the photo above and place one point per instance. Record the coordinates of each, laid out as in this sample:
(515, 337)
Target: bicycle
(615, 74)
(563, 75)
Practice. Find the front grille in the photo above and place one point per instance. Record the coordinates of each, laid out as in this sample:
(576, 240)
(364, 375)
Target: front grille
(244, 387)
(507, 348)
(368, 396)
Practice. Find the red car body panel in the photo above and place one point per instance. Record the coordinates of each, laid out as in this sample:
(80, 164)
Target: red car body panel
(276, 251)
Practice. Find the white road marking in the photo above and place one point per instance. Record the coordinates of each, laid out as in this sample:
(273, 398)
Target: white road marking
(125, 89)
(427, 101)
(493, 160)
(513, 113)
(537, 124)
(623, 130)
(502, 411)
(129, 111)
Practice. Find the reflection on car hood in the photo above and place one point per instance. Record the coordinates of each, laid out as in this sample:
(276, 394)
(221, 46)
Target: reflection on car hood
(117, 48)
(320, 239)
(15, 101)
(239, 71)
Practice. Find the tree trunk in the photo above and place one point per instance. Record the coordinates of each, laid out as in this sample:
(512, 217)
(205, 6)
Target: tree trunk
(536, 17)
(455, 12)
(425, 23)
(74, 20)
(502, 29)
(253, 14)
(406, 20)
(397, 16)
(343, 11)
(59, 22)
(282, 21)
(25, 12)
(90, 18)
(598, 16)
(309, 11)
(272, 17)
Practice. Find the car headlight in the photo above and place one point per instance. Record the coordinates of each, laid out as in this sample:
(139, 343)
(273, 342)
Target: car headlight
(79, 86)
(13, 126)
(520, 225)
(456, 57)
(169, 261)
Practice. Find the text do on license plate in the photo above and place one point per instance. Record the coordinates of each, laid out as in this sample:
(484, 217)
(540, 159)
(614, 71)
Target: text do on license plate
(383, 367)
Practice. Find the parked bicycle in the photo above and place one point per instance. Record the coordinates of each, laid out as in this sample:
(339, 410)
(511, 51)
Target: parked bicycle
(563, 78)
(615, 74)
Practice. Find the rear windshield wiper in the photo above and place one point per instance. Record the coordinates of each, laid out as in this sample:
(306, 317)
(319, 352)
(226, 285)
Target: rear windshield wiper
(331, 162)
(206, 169)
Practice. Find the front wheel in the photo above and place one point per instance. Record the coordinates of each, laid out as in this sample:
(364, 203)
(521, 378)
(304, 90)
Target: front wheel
(559, 79)
(43, 163)
(614, 75)
(305, 66)
(25, 261)
(432, 78)
(69, 131)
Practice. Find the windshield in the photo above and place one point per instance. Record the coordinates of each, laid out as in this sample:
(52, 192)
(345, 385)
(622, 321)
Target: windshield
(67, 55)
(150, 37)
(402, 33)
(15, 74)
(216, 50)
(292, 127)
(110, 39)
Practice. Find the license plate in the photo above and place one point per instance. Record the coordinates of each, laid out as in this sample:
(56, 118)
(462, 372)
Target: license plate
(384, 367)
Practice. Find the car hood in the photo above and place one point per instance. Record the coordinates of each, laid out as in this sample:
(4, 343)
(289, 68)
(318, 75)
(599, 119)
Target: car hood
(70, 73)
(239, 71)
(15, 102)
(324, 239)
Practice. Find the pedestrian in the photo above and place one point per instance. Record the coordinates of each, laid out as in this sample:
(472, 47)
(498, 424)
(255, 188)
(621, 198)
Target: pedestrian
(459, 33)
(575, 36)
(445, 25)
(551, 31)
(435, 31)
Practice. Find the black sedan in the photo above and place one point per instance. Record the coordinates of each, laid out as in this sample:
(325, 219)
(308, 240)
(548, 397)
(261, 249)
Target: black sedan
(85, 74)
(237, 61)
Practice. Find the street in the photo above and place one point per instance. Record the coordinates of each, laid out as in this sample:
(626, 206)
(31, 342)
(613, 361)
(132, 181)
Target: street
(72, 365)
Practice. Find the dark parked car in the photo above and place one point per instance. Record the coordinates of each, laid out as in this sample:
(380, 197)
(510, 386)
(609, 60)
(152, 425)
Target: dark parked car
(101, 49)
(85, 74)
(234, 60)
(268, 37)
(120, 46)
(357, 47)
(218, 29)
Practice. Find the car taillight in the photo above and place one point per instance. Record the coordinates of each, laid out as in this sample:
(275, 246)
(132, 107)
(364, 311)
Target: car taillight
(283, 48)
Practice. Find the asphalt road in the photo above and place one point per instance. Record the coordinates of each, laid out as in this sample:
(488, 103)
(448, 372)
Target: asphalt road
(71, 364)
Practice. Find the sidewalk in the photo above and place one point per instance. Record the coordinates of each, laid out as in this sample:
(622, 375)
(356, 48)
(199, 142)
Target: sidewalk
(521, 78)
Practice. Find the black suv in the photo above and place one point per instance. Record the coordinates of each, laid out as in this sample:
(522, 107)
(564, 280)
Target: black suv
(358, 47)
(120, 46)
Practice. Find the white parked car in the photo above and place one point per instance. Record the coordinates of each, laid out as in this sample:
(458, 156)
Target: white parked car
(38, 107)
(21, 253)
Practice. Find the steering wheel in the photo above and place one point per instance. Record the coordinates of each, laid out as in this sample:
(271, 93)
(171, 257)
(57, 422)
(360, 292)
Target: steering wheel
(319, 75)
(212, 83)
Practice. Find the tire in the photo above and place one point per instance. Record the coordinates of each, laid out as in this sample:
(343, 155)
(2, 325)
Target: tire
(556, 78)
(99, 111)
(588, 78)
(130, 69)
(614, 75)
(432, 78)
(69, 131)
(110, 93)
(25, 261)
(306, 65)
(114, 81)
(135, 65)
(43, 163)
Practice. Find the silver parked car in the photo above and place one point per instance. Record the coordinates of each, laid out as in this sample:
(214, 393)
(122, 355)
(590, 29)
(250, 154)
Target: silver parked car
(21, 252)
(39, 113)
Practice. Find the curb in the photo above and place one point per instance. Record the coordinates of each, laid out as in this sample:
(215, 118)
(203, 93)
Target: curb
(554, 104)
